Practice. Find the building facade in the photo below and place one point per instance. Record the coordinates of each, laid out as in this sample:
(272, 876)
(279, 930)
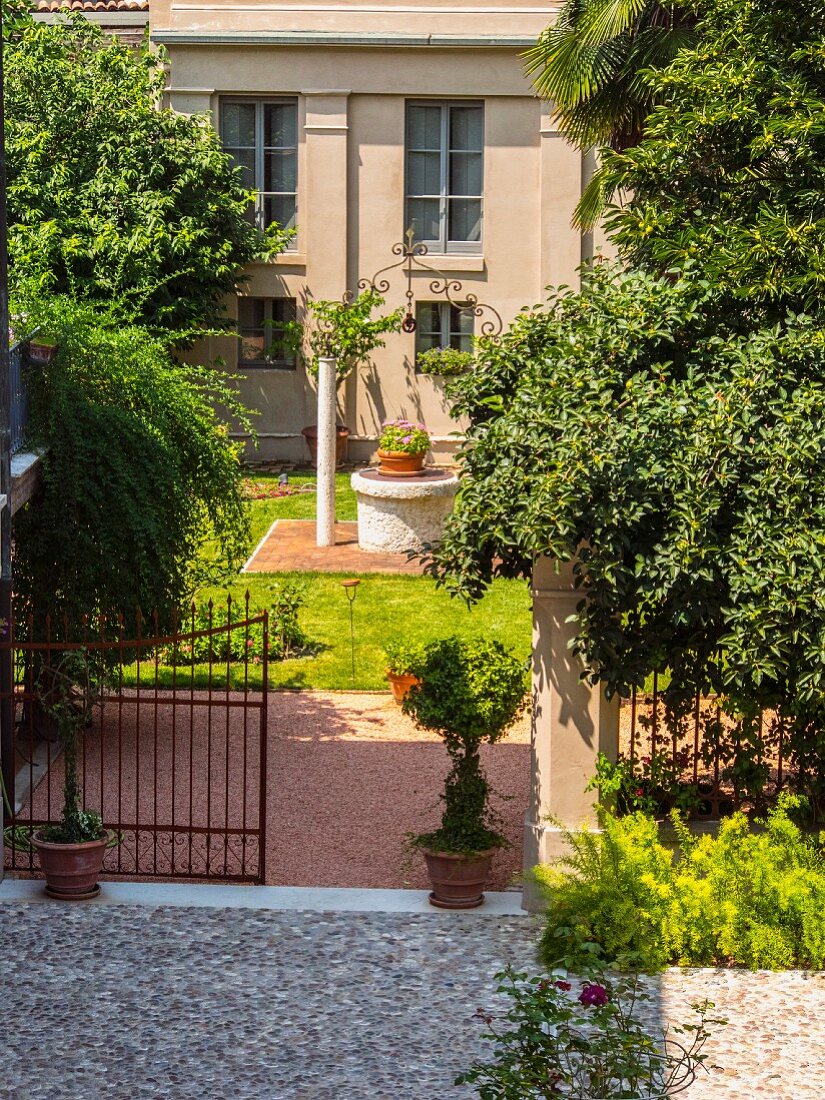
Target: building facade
(354, 121)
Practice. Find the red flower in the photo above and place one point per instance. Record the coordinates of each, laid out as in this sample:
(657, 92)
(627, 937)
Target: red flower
(565, 987)
(593, 995)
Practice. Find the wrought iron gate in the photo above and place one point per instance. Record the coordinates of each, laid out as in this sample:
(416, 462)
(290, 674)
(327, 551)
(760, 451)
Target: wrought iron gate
(174, 757)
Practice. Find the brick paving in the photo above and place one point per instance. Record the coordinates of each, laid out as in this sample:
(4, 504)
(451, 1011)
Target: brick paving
(290, 546)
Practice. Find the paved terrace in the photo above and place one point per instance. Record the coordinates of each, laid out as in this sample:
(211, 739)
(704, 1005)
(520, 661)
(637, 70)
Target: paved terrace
(306, 1001)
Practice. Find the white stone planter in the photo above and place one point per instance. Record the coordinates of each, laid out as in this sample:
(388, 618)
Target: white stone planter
(396, 515)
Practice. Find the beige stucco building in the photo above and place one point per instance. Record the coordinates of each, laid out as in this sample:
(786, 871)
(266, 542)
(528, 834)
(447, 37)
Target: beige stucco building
(354, 120)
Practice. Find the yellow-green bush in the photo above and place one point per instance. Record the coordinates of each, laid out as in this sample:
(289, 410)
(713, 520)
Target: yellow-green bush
(751, 898)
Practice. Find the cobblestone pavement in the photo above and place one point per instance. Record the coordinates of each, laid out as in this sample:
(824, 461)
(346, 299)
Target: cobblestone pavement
(127, 1002)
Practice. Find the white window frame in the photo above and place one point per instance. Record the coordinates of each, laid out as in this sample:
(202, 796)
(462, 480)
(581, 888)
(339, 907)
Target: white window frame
(259, 103)
(442, 245)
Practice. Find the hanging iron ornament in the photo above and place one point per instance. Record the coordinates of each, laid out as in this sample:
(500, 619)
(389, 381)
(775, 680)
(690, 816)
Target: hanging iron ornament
(410, 253)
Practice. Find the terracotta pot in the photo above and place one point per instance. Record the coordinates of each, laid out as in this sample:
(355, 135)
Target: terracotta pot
(310, 434)
(399, 463)
(71, 870)
(458, 880)
(400, 683)
(41, 353)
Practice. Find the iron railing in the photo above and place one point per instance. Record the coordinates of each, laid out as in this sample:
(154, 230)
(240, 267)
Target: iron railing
(696, 755)
(173, 754)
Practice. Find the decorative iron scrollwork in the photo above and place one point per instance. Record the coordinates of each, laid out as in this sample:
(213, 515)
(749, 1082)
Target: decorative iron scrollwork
(410, 253)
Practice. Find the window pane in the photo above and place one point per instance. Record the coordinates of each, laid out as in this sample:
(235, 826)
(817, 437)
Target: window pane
(465, 220)
(253, 346)
(465, 173)
(466, 128)
(280, 124)
(280, 209)
(428, 317)
(283, 310)
(251, 312)
(245, 160)
(279, 172)
(238, 124)
(423, 216)
(424, 128)
(461, 322)
(424, 174)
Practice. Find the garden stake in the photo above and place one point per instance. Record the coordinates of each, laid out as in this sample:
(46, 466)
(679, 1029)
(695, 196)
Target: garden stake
(351, 590)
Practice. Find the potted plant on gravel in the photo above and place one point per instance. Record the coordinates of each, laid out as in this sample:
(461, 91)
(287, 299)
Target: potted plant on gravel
(402, 446)
(470, 692)
(347, 332)
(71, 853)
(401, 657)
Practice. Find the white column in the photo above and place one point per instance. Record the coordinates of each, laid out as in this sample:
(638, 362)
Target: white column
(325, 505)
(572, 723)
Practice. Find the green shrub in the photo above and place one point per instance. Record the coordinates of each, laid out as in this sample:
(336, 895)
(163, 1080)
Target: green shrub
(444, 362)
(743, 898)
(403, 656)
(469, 692)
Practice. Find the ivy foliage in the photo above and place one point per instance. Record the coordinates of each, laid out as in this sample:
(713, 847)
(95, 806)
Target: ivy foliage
(469, 692)
(142, 486)
(112, 196)
(682, 470)
(730, 174)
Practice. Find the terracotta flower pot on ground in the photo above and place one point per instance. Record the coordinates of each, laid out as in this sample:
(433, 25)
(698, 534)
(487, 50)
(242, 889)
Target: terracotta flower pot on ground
(71, 870)
(310, 434)
(400, 463)
(400, 684)
(458, 880)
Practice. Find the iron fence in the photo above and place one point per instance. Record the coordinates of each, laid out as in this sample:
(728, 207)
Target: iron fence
(695, 755)
(174, 754)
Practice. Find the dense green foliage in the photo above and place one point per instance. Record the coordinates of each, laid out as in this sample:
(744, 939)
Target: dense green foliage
(346, 331)
(743, 898)
(444, 362)
(112, 196)
(549, 1045)
(730, 175)
(469, 692)
(681, 469)
(140, 475)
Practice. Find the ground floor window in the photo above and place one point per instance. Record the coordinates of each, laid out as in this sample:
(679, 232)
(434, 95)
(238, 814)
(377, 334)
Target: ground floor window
(441, 325)
(266, 333)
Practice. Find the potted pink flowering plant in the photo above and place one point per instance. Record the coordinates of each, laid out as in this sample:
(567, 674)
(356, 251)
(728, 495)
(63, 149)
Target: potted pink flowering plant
(402, 446)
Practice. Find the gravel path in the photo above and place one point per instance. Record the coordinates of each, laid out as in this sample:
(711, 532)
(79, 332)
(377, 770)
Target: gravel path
(348, 777)
(122, 1002)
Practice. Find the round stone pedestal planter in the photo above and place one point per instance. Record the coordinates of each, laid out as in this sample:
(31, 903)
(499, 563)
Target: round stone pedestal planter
(396, 515)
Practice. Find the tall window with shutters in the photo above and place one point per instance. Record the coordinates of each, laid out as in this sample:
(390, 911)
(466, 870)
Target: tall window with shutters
(445, 174)
(261, 136)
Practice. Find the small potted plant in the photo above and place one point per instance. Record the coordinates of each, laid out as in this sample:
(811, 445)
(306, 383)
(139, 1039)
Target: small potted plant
(401, 657)
(42, 349)
(402, 446)
(444, 362)
(71, 853)
(470, 692)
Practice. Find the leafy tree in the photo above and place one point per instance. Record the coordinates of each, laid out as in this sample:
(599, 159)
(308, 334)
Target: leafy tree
(112, 196)
(730, 175)
(141, 479)
(346, 331)
(681, 467)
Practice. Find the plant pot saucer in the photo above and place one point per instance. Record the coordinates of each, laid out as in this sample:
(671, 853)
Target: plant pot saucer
(86, 896)
(440, 903)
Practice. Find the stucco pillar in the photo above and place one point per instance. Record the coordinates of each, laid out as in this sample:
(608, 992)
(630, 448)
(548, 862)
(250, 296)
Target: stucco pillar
(561, 189)
(572, 723)
(323, 221)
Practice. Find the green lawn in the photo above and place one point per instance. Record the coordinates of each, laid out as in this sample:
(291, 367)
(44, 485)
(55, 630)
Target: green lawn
(386, 606)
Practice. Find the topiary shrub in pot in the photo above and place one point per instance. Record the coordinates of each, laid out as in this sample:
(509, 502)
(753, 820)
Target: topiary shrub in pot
(71, 853)
(469, 692)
